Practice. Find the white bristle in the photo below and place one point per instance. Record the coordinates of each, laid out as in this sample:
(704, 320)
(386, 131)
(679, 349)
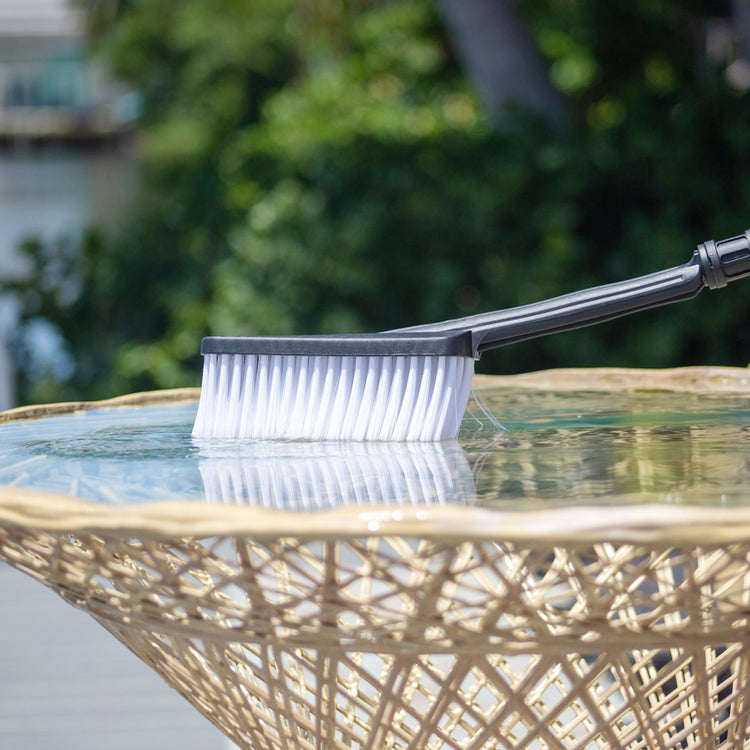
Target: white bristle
(398, 398)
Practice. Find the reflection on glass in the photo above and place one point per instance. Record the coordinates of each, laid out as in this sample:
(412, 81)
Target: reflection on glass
(588, 447)
(318, 475)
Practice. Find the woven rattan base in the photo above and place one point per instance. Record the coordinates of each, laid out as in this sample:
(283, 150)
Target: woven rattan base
(418, 628)
(383, 641)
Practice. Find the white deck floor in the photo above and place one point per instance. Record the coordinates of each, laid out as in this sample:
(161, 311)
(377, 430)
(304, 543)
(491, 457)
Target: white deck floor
(67, 684)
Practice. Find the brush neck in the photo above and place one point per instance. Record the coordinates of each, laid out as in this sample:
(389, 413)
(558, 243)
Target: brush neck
(576, 310)
(713, 264)
(585, 308)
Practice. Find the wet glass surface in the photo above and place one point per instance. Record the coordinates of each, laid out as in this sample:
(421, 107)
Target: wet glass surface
(603, 447)
(554, 448)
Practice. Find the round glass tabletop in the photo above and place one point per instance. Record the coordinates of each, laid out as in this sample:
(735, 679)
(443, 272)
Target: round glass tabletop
(519, 448)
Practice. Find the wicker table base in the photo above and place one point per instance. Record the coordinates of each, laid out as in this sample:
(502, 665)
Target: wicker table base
(386, 631)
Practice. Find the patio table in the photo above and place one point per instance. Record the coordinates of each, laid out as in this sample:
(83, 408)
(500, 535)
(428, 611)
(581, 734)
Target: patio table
(458, 623)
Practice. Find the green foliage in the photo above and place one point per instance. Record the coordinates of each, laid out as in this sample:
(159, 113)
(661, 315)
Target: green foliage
(327, 168)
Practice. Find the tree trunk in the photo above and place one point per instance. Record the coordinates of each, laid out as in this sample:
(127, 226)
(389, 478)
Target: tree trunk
(741, 23)
(501, 58)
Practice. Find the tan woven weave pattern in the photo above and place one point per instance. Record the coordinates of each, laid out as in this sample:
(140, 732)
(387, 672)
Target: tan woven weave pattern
(402, 642)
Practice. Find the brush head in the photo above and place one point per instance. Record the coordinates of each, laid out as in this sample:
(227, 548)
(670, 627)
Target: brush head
(368, 387)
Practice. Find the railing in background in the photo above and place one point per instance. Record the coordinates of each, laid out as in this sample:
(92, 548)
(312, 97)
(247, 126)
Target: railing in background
(61, 98)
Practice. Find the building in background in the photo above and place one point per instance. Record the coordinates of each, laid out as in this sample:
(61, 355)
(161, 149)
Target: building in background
(66, 158)
(49, 89)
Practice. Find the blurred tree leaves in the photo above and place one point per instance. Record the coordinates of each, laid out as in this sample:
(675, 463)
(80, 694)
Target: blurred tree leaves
(326, 167)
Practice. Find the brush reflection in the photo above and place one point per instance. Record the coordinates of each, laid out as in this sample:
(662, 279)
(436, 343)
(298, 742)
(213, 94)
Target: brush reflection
(320, 475)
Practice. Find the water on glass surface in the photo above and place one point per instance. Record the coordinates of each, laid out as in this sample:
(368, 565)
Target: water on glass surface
(556, 448)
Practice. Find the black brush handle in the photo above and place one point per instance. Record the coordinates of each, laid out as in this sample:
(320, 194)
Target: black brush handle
(712, 265)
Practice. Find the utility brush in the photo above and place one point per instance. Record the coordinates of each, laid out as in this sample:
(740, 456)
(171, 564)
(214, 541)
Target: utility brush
(411, 383)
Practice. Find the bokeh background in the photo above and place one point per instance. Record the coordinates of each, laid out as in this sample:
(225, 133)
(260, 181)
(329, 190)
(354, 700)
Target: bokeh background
(301, 166)
(176, 168)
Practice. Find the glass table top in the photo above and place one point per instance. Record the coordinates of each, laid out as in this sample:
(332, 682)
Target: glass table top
(521, 448)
